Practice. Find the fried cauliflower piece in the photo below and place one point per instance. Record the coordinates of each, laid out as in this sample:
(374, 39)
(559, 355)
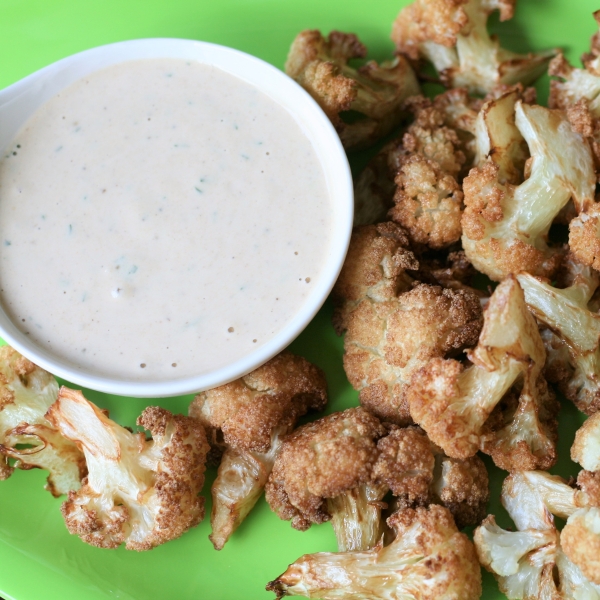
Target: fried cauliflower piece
(321, 461)
(320, 65)
(375, 267)
(386, 342)
(380, 353)
(26, 393)
(340, 467)
(434, 153)
(572, 328)
(506, 223)
(452, 34)
(248, 419)
(139, 492)
(428, 203)
(453, 403)
(577, 91)
(580, 537)
(418, 473)
(530, 563)
(428, 560)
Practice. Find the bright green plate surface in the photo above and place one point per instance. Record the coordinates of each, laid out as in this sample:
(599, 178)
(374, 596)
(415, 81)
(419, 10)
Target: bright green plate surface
(39, 560)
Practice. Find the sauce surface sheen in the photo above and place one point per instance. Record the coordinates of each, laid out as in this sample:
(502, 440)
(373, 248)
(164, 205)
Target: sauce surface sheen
(159, 219)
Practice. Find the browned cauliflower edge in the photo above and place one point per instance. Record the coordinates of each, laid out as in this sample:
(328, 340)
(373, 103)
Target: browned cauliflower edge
(577, 92)
(387, 342)
(418, 473)
(442, 133)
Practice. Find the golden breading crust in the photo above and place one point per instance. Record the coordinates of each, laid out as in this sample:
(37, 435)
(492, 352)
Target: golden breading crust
(322, 460)
(375, 266)
(463, 489)
(386, 342)
(434, 134)
(581, 543)
(405, 464)
(248, 410)
(589, 483)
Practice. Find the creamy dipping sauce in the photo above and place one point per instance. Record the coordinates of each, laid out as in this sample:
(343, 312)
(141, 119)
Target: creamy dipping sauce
(159, 219)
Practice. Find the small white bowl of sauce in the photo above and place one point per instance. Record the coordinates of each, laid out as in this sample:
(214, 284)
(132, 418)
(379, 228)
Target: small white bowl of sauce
(173, 213)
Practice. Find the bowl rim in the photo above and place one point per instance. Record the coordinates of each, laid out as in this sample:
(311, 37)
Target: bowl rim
(35, 89)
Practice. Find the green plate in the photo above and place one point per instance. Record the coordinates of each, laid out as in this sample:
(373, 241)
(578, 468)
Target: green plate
(38, 557)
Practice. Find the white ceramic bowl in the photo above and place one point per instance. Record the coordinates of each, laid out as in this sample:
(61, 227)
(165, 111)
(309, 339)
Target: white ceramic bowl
(19, 101)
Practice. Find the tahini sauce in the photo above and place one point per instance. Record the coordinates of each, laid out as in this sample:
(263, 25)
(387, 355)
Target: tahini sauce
(159, 219)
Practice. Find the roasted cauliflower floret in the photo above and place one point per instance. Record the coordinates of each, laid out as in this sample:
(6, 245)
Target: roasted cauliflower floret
(428, 560)
(138, 492)
(375, 267)
(429, 197)
(320, 65)
(248, 418)
(321, 461)
(580, 537)
(452, 34)
(26, 393)
(505, 224)
(577, 91)
(386, 342)
(572, 328)
(453, 403)
(443, 131)
(428, 203)
(418, 474)
(530, 562)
